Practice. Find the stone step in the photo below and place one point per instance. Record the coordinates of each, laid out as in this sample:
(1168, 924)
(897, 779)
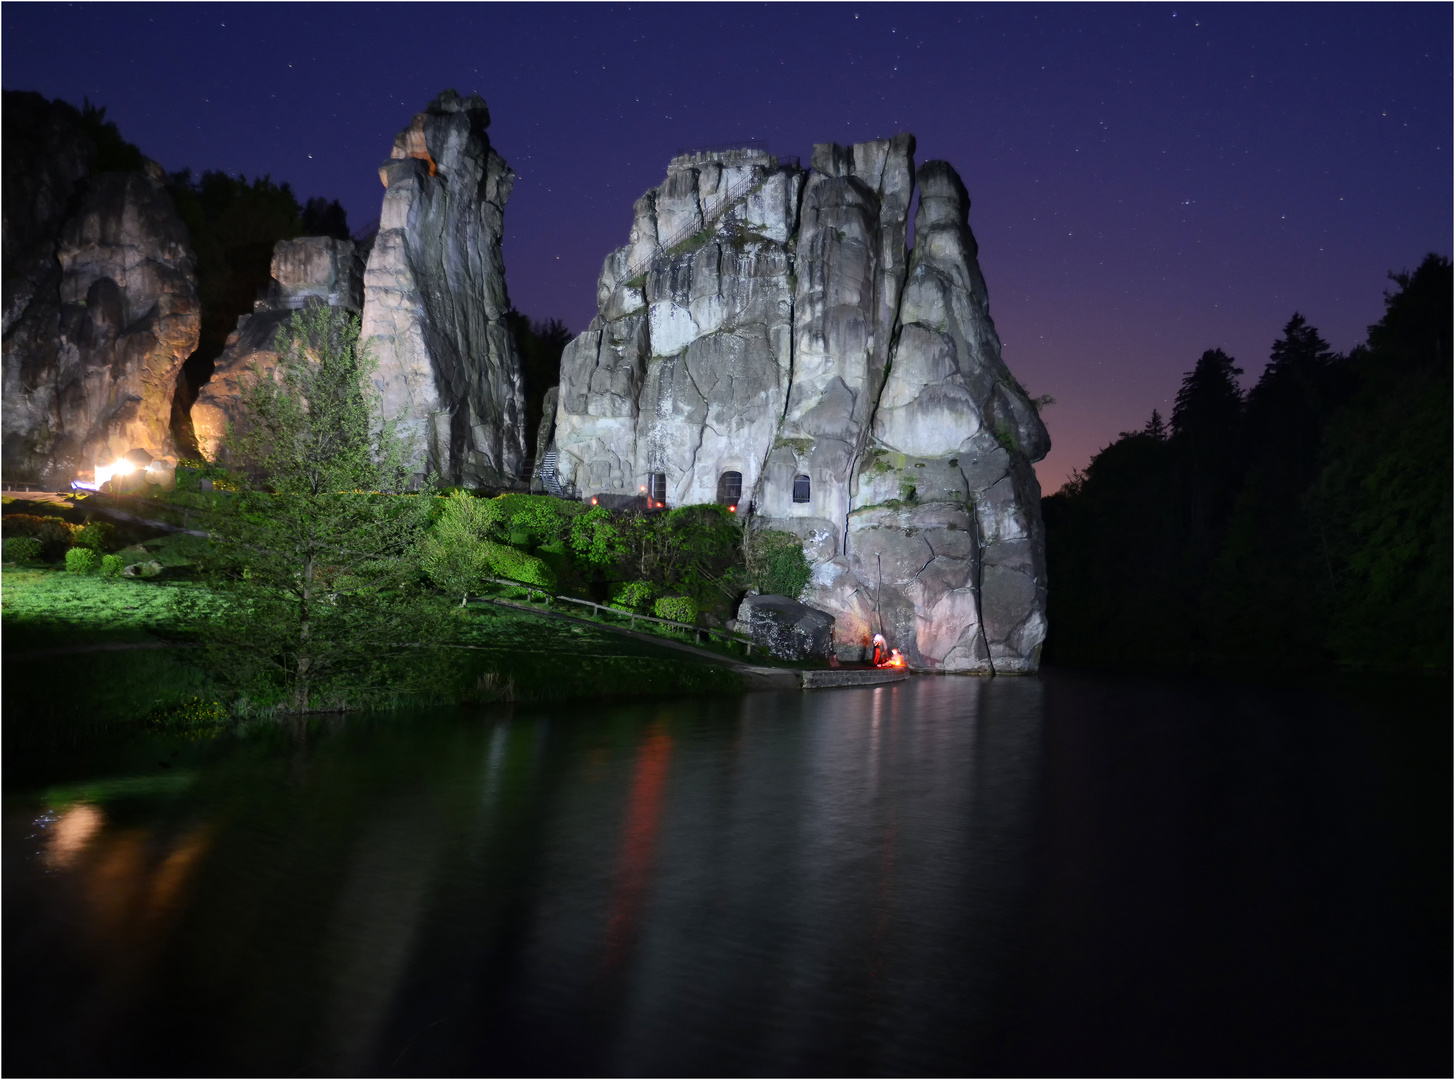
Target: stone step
(831, 677)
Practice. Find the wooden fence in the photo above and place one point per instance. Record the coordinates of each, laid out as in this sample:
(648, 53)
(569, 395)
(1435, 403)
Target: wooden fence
(601, 609)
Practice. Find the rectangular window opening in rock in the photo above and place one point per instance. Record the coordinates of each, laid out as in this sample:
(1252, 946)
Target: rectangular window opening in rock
(801, 489)
(657, 483)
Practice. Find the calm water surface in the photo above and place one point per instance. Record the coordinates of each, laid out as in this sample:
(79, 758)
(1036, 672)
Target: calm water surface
(1065, 874)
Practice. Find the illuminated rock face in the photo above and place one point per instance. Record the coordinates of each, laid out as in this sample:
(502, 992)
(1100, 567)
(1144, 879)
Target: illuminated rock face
(771, 322)
(308, 270)
(435, 299)
(101, 302)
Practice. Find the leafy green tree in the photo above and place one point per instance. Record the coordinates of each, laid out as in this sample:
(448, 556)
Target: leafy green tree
(599, 539)
(316, 556)
(455, 552)
(776, 563)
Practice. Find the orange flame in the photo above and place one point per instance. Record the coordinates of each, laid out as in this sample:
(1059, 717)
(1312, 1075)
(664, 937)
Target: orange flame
(895, 660)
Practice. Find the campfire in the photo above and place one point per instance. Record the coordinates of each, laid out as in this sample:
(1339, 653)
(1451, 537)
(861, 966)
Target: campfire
(884, 656)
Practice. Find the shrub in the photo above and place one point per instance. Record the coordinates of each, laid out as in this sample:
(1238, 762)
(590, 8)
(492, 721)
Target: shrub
(454, 551)
(53, 533)
(95, 535)
(634, 595)
(195, 716)
(80, 560)
(598, 538)
(535, 518)
(776, 563)
(507, 562)
(22, 548)
(111, 565)
(681, 609)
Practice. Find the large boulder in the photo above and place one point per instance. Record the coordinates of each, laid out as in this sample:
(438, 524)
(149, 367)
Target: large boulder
(100, 306)
(308, 270)
(771, 327)
(787, 629)
(435, 299)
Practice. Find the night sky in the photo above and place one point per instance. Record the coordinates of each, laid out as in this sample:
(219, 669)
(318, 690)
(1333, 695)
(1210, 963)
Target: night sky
(1147, 181)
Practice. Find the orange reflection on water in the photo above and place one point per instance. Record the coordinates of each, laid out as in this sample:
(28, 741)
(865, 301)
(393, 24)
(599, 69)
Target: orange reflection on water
(128, 881)
(71, 833)
(639, 841)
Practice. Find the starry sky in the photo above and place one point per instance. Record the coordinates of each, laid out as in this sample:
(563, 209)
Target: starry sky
(1148, 181)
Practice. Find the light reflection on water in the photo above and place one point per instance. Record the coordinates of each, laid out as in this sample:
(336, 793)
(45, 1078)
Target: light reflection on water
(873, 880)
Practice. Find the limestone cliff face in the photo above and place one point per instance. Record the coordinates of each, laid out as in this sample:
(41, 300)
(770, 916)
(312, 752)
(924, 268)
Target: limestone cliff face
(100, 301)
(435, 299)
(773, 323)
(308, 270)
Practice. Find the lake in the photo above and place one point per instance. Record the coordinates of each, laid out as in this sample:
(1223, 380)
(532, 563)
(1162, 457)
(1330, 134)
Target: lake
(1067, 874)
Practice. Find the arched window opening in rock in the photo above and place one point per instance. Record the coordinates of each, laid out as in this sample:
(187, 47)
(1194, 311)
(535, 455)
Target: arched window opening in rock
(801, 488)
(657, 489)
(729, 488)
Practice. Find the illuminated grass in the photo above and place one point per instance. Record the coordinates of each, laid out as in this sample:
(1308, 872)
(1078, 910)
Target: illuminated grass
(45, 609)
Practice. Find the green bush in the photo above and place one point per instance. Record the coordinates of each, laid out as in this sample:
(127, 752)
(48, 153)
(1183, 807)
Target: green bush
(454, 551)
(111, 565)
(192, 471)
(22, 548)
(600, 538)
(95, 535)
(53, 533)
(80, 560)
(507, 562)
(776, 563)
(681, 609)
(634, 595)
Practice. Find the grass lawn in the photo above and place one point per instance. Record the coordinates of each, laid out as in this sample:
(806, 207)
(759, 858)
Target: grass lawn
(61, 701)
(44, 608)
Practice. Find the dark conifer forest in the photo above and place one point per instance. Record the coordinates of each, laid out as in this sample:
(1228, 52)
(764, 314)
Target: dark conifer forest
(1304, 523)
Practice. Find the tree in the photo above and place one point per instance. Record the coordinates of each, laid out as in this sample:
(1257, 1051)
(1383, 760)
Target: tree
(1207, 441)
(315, 557)
(1382, 502)
(324, 217)
(456, 552)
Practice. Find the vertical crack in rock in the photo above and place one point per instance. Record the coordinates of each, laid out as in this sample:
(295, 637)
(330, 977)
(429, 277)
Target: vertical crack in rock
(836, 352)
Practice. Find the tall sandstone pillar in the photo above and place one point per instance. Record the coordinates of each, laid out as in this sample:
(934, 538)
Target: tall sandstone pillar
(435, 298)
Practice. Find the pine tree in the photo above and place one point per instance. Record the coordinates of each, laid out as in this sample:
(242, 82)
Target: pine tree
(315, 557)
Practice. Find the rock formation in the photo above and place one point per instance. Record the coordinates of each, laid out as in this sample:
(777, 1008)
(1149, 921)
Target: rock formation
(100, 301)
(435, 298)
(311, 269)
(787, 629)
(766, 335)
